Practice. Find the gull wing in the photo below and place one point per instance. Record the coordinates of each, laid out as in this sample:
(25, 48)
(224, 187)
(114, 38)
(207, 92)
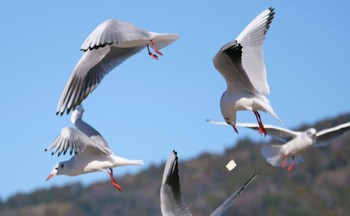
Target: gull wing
(113, 32)
(241, 62)
(89, 72)
(220, 211)
(75, 141)
(251, 39)
(171, 200)
(281, 134)
(123, 34)
(324, 137)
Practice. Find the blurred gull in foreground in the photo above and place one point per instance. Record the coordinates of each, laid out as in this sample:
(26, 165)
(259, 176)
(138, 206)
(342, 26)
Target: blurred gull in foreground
(171, 200)
(241, 63)
(92, 152)
(111, 43)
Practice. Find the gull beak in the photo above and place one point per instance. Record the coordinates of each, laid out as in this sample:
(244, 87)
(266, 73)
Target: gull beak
(53, 173)
(234, 128)
(50, 176)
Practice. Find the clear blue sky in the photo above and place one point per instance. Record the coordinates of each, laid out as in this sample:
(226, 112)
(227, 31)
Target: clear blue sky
(146, 108)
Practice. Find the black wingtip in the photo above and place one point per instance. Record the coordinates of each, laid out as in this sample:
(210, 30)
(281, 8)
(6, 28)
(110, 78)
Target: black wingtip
(59, 113)
(175, 153)
(272, 11)
(270, 18)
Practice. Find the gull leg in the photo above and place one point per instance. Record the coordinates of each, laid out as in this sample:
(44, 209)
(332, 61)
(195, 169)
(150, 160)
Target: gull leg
(284, 161)
(291, 164)
(114, 183)
(262, 129)
(151, 54)
(155, 48)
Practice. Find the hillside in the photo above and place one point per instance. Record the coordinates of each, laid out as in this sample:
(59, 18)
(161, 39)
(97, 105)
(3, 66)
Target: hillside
(317, 187)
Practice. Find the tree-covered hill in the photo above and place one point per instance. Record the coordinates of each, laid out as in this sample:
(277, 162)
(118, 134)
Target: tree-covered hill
(320, 186)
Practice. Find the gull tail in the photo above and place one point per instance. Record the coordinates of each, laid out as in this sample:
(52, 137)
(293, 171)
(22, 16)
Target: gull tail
(272, 154)
(119, 161)
(264, 104)
(163, 40)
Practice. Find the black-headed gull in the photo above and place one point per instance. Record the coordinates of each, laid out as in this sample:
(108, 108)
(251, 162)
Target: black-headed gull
(92, 152)
(111, 43)
(171, 200)
(295, 142)
(241, 63)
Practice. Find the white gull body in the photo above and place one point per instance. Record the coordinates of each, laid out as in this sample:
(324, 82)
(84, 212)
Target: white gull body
(241, 63)
(294, 142)
(171, 200)
(111, 43)
(92, 152)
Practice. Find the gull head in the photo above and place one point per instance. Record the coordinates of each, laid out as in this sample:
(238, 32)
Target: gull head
(311, 133)
(58, 169)
(232, 123)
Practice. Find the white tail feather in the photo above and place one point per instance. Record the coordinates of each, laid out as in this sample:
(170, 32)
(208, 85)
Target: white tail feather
(119, 161)
(273, 156)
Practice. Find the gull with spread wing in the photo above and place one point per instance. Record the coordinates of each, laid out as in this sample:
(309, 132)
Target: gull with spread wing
(294, 142)
(92, 152)
(241, 63)
(111, 43)
(171, 200)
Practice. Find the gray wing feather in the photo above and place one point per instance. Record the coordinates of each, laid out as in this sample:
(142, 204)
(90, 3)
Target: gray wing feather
(74, 140)
(171, 200)
(229, 201)
(89, 72)
(228, 61)
(325, 137)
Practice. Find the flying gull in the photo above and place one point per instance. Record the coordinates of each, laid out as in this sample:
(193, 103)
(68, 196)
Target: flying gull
(111, 43)
(92, 152)
(241, 63)
(294, 142)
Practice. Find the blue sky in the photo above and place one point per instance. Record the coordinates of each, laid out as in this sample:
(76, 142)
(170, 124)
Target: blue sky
(146, 108)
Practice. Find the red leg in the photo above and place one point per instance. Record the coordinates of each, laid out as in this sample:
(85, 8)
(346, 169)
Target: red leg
(284, 162)
(114, 183)
(291, 165)
(262, 129)
(155, 48)
(151, 54)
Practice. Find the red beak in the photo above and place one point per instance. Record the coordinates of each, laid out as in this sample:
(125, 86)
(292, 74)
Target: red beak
(50, 176)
